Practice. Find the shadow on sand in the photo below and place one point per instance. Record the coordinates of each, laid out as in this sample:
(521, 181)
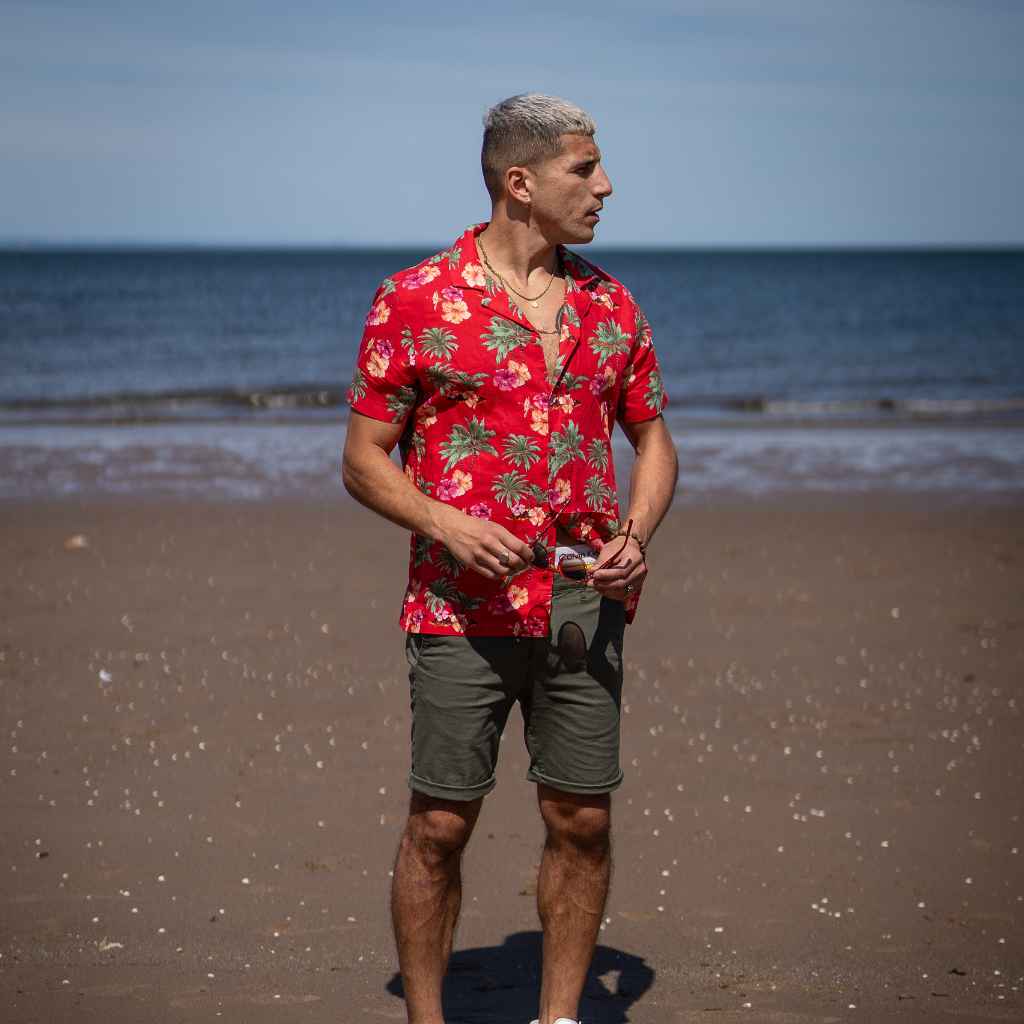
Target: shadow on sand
(501, 984)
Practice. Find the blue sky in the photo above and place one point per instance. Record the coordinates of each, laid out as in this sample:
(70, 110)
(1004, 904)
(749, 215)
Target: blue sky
(722, 122)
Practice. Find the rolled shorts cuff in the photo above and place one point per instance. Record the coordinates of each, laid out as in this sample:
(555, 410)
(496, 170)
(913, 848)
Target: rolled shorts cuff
(583, 788)
(443, 792)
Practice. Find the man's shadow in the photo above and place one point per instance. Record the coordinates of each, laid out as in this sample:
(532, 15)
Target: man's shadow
(501, 984)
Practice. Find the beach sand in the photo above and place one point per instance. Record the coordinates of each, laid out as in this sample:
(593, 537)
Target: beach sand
(205, 726)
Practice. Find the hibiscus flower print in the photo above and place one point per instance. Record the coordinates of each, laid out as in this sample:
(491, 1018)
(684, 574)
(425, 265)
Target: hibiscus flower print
(421, 277)
(537, 515)
(536, 407)
(380, 352)
(416, 618)
(454, 486)
(602, 381)
(379, 314)
(453, 307)
(605, 299)
(426, 416)
(481, 510)
(560, 492)
(517, 596)
(454, 312)
(514, 375)
(473, 275)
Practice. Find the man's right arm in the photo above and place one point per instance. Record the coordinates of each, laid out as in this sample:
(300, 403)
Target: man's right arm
(375, 481)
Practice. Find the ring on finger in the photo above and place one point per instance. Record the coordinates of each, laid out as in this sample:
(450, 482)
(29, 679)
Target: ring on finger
(503, 558)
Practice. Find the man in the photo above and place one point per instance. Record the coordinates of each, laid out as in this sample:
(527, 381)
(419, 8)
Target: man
(500, 367)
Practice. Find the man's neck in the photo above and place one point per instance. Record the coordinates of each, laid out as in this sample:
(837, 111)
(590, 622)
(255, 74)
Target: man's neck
(516, 249)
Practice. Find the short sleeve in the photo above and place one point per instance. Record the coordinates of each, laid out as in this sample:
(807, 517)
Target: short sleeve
(643, 392)
(384, 383)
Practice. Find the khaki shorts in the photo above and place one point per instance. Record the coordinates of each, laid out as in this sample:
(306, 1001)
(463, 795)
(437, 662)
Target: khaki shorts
(462, 689)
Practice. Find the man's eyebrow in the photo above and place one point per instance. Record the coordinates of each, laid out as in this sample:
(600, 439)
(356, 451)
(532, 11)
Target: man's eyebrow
(588, 160)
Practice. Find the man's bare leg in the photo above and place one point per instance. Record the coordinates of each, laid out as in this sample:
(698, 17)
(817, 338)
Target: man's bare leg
(426, 893)
(575, 873)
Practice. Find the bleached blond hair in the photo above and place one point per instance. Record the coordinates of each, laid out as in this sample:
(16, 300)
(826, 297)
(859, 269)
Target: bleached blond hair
(526, 129)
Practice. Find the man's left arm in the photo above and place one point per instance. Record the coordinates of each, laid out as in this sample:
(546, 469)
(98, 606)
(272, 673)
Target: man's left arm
(652, 486)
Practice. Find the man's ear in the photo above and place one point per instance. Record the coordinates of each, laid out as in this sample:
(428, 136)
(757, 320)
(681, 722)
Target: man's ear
(517, 184)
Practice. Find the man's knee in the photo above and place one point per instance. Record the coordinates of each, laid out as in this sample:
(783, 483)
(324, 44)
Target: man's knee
(585, 822)
(439, 829)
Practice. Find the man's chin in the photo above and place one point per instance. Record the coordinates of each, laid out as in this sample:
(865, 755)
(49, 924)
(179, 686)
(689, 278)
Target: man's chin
(580, 235)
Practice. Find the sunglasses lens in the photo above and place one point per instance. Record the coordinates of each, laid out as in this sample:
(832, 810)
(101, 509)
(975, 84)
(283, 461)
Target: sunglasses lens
(540, 555)
(574, 570)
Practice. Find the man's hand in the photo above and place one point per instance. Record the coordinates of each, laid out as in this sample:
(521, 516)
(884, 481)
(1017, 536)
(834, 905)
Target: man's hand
(619, 567)
(483, 546)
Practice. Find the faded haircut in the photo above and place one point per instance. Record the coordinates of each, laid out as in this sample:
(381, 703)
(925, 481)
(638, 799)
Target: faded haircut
(526, 129)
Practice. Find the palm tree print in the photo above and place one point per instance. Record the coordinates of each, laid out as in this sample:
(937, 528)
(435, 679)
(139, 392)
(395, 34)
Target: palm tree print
(448, 563)
(464, 441)
(409, 344)
(421, 551)
(563, 448)
(438, 342)
(521, 451)
(510, 488)
(504, 337)
(570, 381)
(643, 328)
(387, 286)
(401, 402)
(609, 340)
(597, 454)
(418, 443)
(443, 591)
(655, 395)
(567, 315)
(453, 383)
(538, 494)
(597, 493)
(358, 389)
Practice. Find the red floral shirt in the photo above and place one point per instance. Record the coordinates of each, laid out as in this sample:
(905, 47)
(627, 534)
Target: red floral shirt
(449, 355)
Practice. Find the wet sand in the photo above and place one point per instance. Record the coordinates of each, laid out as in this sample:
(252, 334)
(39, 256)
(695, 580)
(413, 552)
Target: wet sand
(205, 719)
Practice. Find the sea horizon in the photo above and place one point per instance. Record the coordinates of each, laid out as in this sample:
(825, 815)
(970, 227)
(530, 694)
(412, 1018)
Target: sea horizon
(829, 368)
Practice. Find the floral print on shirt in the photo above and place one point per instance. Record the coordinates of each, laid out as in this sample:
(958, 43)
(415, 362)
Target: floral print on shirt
(447, 355)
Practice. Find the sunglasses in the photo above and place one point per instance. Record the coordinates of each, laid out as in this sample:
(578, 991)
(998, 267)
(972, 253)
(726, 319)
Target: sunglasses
(576, 570)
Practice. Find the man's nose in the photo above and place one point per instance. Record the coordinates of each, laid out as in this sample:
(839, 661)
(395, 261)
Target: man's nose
(603, 185)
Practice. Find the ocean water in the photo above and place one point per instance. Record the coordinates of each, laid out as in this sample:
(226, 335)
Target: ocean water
(223, 372)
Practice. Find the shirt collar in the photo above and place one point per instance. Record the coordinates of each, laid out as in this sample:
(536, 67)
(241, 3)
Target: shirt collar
(468, 270)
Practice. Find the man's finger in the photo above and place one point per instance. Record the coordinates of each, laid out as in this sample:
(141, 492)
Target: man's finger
(481, 563)
(508, 559)
(611, 572)
(514, 544)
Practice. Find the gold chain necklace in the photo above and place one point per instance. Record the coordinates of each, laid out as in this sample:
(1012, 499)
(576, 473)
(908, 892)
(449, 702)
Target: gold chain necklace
(535, 301)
